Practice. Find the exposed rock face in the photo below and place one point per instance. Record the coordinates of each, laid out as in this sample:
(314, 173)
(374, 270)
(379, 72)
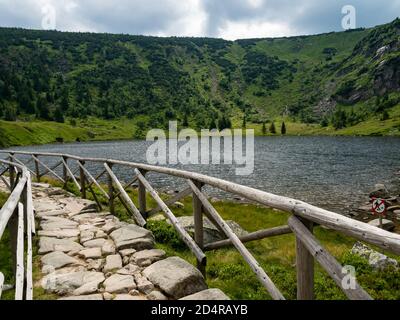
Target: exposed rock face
(176, 277)
(134, 237)
(209, 294)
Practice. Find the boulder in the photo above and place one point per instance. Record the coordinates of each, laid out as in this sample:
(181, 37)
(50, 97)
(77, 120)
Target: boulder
(118, 283)
(113, 262)
(134, 237)
(176, 277)
(145, 258)
(375, 259)
(386, 224)
(211, 232)
(380, 261)
(209, 294)
(379, 191)
(58, 259)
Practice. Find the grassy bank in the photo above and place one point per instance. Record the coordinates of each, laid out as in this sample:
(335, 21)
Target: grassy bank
(22, 133)
(227, 270)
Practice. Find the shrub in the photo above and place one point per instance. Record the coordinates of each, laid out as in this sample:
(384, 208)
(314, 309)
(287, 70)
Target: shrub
(166, 234)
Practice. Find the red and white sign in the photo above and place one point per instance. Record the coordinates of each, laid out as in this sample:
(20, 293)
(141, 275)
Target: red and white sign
(379, 206)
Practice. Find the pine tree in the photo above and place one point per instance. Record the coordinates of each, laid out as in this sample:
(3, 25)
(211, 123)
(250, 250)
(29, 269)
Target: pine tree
(58, 115)
(264, 129)
(212, 124)
(283, 128)
(272, 128)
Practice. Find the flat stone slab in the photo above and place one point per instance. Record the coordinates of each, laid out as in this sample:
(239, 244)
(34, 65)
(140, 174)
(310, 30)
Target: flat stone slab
(94, 243)
(62, 233)
(47, 244)
(108, 247)
(129, 269)
(87, 297)
(176, 277)
(145, 258)
(133, 236)
(58, 259)
(113, 262)
(43, 206)
(118, 283)
(91, 253)
(209, 294)
(67, 283)
(59, 212)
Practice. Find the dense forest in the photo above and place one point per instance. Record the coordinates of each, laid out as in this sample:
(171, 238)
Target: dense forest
(336, 78)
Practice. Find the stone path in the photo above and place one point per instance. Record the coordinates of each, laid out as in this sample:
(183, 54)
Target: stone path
(90, 255)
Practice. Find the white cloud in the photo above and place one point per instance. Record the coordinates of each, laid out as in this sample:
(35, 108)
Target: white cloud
(253, 29)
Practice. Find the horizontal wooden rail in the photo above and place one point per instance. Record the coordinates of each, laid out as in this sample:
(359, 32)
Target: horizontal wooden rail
(357, 229)
(305, 215)
(253, 236)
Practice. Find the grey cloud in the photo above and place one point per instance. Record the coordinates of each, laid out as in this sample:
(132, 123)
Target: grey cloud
(161, 16)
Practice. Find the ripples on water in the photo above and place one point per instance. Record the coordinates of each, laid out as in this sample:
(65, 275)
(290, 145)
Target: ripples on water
(330, 172)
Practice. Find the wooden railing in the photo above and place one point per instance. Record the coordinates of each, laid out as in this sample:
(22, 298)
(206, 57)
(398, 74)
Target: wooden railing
(301, 222)
(17, 215)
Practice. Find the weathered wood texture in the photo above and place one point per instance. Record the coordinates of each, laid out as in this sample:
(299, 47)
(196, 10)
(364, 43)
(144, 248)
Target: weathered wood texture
(326, 260)
(126, 199)
(260, 273)
(253, 236)
(171, 217)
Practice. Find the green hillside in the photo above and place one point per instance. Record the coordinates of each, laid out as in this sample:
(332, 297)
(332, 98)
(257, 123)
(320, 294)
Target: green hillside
(333, 82)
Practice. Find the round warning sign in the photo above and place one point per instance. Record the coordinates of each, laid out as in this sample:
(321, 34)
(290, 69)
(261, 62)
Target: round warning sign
(379, 206)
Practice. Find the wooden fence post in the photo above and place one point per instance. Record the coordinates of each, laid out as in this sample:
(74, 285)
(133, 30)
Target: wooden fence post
(37, 168)
(198, 226)
(82, 179)
(142, 196)
(65, 172)
(11, 172)
(110, 191)
(305, 268)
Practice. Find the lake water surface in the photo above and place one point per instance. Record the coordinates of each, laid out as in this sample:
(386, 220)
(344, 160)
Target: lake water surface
(331, 172)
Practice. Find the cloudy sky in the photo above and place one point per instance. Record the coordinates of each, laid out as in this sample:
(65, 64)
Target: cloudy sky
(229, 19)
